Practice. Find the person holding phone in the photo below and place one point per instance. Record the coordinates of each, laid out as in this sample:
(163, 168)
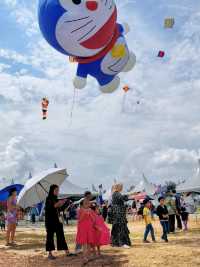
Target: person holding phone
(53, 224)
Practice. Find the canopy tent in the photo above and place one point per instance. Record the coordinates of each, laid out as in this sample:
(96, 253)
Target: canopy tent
(108, 194)
(4, 193)
(69, 189)
(144, 186)
(192, 184)
(139, 196)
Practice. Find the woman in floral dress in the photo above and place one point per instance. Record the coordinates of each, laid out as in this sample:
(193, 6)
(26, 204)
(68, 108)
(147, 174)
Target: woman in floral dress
(120, 231)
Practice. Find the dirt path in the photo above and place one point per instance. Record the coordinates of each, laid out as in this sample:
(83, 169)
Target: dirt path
(182, 250)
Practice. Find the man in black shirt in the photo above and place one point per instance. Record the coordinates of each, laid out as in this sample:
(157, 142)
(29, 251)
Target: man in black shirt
(162, 212)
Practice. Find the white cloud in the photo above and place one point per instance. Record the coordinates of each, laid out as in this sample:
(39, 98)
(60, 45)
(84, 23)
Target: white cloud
(24, 14)
(16, 159)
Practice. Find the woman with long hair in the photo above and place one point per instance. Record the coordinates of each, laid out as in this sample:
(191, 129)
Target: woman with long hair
(53, 224)
(11, 217)
(120, 232)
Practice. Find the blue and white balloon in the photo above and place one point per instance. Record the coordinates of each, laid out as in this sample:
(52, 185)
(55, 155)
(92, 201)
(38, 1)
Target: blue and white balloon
(88, 31)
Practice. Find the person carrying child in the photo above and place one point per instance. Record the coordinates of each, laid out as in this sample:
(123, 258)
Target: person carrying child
(102, 232)
(162, 212)
(148, 221)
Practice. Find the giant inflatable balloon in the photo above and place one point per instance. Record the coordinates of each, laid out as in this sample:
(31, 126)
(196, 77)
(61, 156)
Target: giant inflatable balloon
(88, 31)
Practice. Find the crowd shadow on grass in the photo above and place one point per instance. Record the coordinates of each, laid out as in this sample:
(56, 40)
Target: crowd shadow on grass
(106, 260)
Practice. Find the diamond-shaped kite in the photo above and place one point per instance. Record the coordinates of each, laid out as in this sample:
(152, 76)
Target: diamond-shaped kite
(169, 22)
(161, 53)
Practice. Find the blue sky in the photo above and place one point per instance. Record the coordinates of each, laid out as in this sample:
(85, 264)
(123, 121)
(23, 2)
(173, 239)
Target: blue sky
(110, 136)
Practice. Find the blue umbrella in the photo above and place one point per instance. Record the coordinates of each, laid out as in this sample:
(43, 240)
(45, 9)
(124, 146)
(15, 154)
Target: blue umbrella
(4, 193)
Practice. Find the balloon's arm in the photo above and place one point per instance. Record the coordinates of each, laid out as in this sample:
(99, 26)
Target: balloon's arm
(80, 80)
(124, 28)
(82, 71)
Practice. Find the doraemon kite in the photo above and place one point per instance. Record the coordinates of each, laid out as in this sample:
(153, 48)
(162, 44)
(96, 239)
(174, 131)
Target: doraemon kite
(88, 31)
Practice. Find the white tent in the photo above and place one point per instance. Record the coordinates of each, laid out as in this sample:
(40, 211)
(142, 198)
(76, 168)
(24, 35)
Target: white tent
(144, 186)
(108, 194)
(69, 189)
(193, 184)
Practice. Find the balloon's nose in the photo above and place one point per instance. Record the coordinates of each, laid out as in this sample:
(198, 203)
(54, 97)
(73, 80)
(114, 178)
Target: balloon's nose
(91, 5)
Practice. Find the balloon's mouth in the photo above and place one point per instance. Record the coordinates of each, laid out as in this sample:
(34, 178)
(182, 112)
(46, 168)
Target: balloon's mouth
(103, 36)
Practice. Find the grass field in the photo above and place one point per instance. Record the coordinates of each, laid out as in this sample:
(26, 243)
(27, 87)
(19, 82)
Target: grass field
(182, 250)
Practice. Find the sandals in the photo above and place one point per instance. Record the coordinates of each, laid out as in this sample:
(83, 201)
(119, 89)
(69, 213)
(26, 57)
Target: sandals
(85, 261)
(71, 255)
(13, 244)
(51, 257)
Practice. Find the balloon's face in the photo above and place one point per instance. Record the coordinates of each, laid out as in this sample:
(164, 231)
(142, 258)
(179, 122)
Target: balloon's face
(86, 27)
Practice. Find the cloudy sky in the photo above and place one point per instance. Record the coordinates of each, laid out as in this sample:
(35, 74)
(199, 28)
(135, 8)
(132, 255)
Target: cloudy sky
(109, 136)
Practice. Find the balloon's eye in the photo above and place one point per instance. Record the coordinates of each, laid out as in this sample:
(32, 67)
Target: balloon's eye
(76, 2)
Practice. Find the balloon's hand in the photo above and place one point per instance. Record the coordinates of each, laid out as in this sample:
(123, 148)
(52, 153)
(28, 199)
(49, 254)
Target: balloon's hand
(79, 82)
(118, 51)
(126, 27)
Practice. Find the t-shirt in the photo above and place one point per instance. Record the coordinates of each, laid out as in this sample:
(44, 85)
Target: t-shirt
(51, 213)
(147, 215)
(170, 202)
(162, 210)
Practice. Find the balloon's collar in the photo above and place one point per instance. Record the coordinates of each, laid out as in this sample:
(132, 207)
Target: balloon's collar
(101, 54)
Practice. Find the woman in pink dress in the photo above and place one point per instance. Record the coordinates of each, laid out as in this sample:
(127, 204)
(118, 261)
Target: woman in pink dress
(102, 232)
(11, 217)
(86, 231)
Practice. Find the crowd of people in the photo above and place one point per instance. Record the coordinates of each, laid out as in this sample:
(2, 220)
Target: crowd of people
(172, 208)
(92, 230)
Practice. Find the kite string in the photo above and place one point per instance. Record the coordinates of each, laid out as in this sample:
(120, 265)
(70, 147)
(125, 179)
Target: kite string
(72, 106)
(123, 103)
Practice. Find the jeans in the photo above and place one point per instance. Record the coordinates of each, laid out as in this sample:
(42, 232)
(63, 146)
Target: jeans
(149, 228)
(165, 226)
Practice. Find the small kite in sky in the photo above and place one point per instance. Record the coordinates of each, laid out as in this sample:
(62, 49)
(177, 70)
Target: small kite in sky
(126, 88)
(45, 104)
(161, 53)
(169, 22)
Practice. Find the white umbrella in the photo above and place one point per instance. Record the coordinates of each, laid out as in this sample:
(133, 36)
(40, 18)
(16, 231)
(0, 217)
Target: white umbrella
(36, 189)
